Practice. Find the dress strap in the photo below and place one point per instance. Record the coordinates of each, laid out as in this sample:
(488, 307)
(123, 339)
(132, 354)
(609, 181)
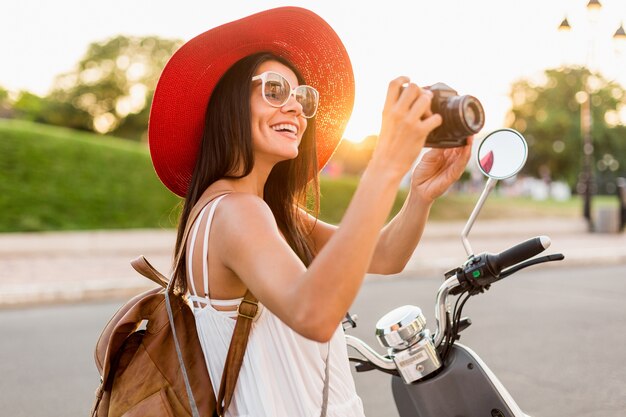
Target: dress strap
(192, 245)
(205, 248)
(227, 303)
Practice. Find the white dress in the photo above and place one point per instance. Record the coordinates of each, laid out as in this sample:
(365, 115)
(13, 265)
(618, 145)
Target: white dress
(282, 374)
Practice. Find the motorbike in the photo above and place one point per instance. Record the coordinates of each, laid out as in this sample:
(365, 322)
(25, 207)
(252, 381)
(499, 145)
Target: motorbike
(432, 374)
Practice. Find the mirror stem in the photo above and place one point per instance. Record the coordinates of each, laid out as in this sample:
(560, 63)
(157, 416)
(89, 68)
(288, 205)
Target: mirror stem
(491, 183)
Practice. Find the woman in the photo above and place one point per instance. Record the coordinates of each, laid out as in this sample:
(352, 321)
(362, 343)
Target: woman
(249, 111)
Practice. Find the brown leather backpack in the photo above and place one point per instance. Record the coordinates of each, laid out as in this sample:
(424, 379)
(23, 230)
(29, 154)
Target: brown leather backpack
(160, 370)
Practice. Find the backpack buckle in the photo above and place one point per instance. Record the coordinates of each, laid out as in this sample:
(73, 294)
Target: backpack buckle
(248, 312)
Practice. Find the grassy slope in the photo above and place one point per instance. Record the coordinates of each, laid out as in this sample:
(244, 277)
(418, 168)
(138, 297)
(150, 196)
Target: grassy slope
(55, 179)
(336, 195)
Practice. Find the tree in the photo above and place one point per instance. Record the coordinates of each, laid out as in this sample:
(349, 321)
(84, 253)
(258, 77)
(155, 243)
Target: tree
(6, 110)
(29, 106)
(112, 84)
(548, 114)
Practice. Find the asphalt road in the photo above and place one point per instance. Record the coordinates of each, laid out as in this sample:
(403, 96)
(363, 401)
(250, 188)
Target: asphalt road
(554, 336)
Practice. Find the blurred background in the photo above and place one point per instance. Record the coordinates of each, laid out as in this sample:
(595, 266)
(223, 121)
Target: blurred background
(79, 196)
(77, 80)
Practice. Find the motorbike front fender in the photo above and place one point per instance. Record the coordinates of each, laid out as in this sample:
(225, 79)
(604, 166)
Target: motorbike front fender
(464, 387)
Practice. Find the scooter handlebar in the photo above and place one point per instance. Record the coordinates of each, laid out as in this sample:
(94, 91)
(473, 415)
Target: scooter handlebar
(519, 252)
(482, 270)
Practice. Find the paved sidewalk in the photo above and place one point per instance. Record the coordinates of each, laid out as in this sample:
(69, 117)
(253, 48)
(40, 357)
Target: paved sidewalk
(76, 266)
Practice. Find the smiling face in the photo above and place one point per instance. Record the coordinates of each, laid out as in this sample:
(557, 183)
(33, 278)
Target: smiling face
(276, 131)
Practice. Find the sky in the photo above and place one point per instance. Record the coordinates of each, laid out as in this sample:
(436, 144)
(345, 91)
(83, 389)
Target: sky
(477, 47)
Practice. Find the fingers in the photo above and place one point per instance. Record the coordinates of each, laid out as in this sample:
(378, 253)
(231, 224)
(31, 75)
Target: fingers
(394, 90)
(451, 160)
(420, 108)
(460, 154)
(404, 96)
(459, 158)
(466, 151)
(432, 122)
(407, 122)
(408, 97)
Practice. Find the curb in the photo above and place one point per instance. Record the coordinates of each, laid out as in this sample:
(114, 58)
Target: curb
(59, 293)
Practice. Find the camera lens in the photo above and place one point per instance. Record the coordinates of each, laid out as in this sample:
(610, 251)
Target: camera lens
(462, 116)
(473, 114)
(470, 115)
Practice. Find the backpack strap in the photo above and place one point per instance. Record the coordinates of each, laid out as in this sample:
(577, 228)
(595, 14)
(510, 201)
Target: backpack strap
(246, 312)
(179, 355)
(145, 268)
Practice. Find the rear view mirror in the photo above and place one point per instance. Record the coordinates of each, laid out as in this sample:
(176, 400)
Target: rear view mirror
(502, 154)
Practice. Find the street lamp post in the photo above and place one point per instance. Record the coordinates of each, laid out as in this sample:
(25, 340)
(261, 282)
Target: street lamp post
(585, 184)
(586, 180)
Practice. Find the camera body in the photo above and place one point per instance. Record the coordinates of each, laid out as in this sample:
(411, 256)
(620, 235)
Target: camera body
(462, 116)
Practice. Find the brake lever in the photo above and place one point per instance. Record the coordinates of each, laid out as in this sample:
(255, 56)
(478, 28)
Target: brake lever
(363, 365)
(530, 262)
(349, 321)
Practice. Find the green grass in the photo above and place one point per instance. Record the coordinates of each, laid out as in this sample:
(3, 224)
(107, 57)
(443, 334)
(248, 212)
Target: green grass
(460, 206)
(336, 194)
(60, 179)
(497, 206)
(456, 206)
(53, 178)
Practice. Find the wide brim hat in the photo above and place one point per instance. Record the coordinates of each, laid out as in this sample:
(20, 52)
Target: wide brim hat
(182, 94)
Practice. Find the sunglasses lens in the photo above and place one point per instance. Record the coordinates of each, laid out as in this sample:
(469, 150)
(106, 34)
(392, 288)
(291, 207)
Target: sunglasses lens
(308, 99)
(277, 89)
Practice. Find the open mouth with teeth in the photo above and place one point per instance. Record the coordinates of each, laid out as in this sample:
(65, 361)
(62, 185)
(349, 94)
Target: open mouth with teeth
(284, 127)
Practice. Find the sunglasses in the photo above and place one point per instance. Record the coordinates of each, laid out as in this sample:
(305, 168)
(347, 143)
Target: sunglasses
(276, 91)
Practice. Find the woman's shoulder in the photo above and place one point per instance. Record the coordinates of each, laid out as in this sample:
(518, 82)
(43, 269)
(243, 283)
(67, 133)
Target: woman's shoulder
(240, 203)
(237, 211)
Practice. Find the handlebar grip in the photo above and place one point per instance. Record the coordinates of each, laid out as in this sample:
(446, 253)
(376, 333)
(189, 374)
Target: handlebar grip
(520, 252)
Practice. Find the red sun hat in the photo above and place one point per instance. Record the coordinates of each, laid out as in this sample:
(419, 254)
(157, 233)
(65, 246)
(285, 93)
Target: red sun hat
(187, 82)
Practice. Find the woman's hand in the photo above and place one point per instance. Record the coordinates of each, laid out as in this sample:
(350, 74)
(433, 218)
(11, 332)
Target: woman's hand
(407, 121)
(439, 169)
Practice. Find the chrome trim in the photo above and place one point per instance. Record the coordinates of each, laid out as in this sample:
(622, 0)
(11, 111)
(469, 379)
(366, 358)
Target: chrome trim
(441, 307)
(545, 241)
(400, 327)
(506, 396)
(369, 354)
(418, 361)
(491, 183)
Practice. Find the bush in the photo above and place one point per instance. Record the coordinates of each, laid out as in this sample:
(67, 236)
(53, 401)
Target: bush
(336, 194)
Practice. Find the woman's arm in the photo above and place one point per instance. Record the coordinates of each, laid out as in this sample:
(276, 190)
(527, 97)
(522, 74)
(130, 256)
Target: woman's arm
(397, 240)
(313, 300)
(431, 178)
(435, 173)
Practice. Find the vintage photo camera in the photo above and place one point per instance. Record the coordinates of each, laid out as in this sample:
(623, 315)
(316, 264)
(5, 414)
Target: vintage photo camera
(462, 116)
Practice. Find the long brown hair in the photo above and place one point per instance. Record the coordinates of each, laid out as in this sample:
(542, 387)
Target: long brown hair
(226, 152)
